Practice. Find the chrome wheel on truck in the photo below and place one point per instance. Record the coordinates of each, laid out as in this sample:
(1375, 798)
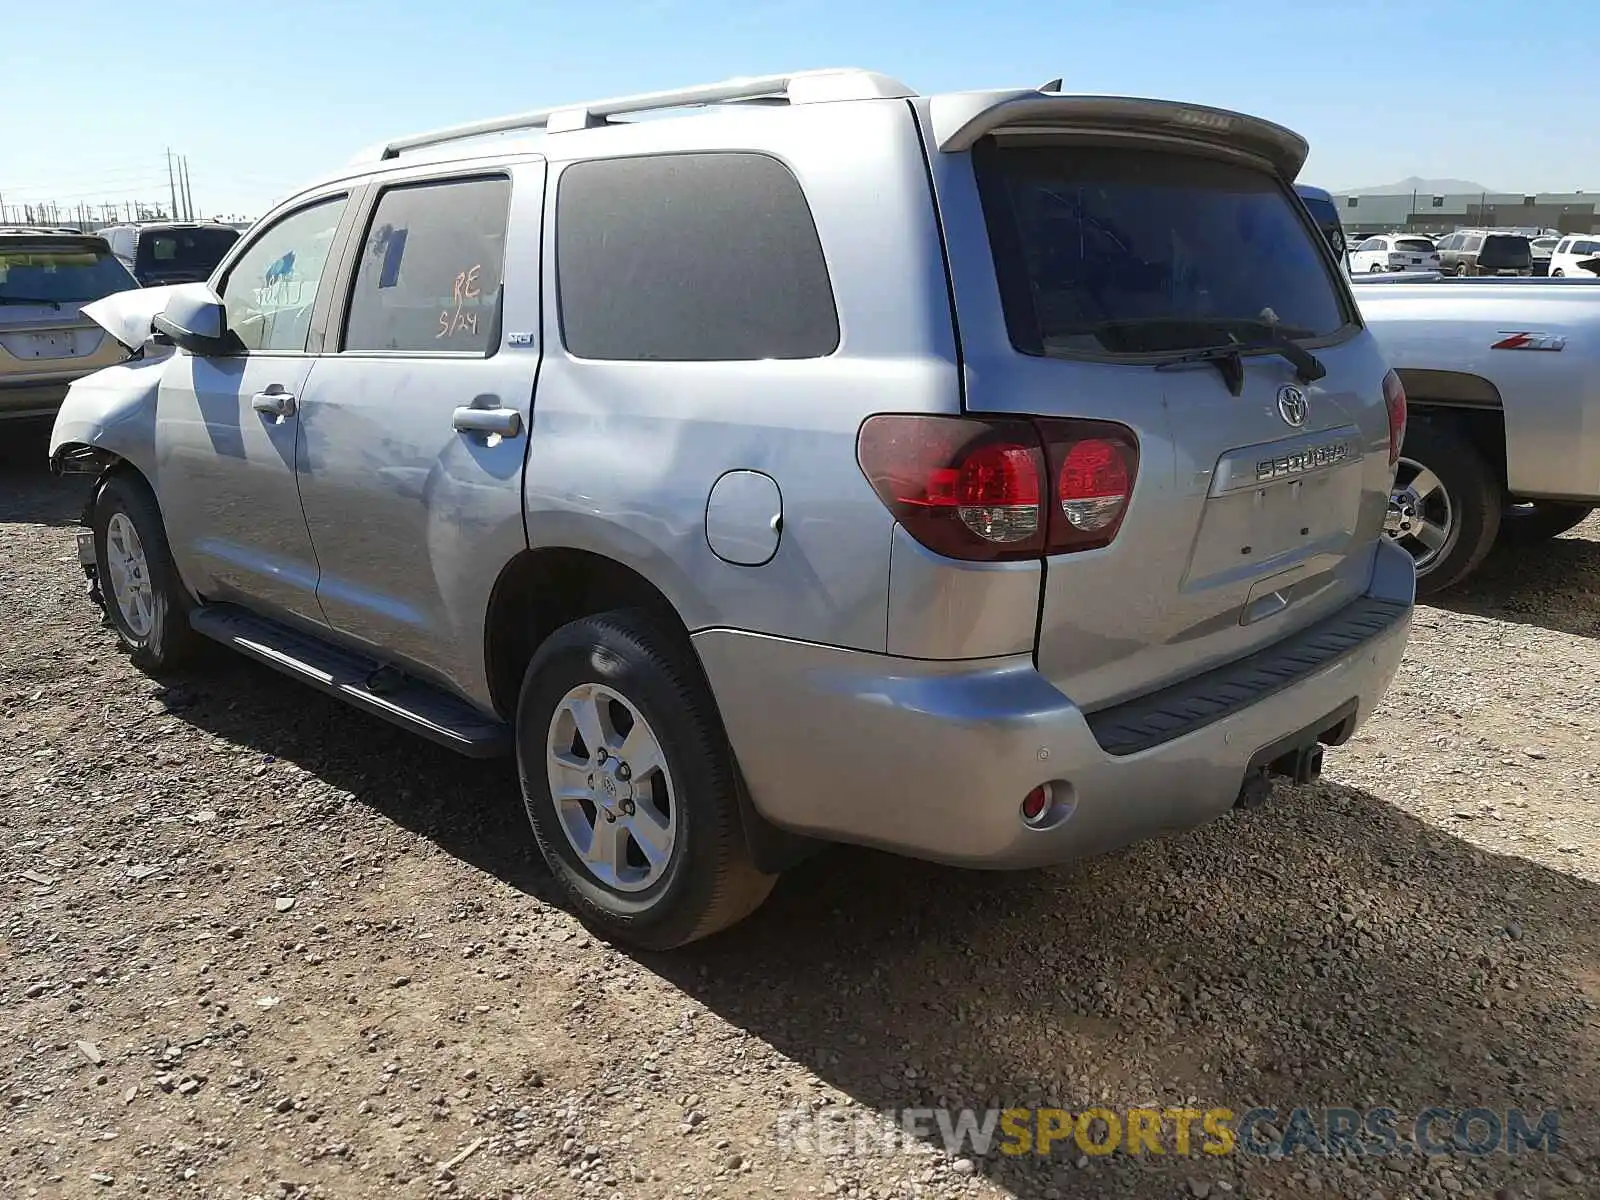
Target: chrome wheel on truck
(1421, 517)
(1444, 505)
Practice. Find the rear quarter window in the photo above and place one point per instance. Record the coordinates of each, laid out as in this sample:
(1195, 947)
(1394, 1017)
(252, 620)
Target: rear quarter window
(697, 257)
(1109, 251)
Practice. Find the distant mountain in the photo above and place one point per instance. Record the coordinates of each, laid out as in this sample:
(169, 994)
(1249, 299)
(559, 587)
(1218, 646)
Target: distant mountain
(1423, 187)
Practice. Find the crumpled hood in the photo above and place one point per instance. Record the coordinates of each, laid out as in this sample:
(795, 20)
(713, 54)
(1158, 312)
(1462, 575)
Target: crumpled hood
(126, 315)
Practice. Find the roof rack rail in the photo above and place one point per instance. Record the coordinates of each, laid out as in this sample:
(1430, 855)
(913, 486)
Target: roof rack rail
(797, 87)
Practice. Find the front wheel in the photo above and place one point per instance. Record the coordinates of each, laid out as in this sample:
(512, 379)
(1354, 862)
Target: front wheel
(1526, 524)
(1557, 273)
(144, 599)
(1444, 507)
(630, 784)
(1375, 269)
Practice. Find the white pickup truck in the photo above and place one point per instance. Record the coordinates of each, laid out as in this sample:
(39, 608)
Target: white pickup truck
(1502, 380)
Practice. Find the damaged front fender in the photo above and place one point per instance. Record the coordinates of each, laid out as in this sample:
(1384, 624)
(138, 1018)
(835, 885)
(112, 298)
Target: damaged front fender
(110, 416)
(107, 418)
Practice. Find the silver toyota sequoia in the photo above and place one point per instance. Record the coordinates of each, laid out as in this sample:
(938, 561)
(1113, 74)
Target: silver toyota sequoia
(991, 477)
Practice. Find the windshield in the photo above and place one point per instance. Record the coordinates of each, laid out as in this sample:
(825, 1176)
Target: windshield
(60, 274)
(1093, 242)
(1504, 251)
(1421, 245)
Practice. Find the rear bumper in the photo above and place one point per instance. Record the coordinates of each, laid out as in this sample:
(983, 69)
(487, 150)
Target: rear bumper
(31, 400)
(932, 759)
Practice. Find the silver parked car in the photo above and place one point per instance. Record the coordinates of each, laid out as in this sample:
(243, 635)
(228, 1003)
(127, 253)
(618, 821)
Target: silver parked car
(993, 477)
(47, 276)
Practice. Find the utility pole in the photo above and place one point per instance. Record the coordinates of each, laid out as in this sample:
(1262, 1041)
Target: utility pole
(172, 187)
(188, 192)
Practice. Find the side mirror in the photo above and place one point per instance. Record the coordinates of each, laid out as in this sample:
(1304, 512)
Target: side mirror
(195, 320)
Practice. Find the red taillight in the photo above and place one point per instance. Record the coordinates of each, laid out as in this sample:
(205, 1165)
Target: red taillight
(1394, 398)
(977, 488)
(1092, 486)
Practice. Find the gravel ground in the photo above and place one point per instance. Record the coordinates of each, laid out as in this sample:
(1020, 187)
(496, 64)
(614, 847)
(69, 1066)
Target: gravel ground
(254, 944)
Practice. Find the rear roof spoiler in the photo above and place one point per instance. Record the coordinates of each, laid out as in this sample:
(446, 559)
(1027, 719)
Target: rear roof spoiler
(960, 119)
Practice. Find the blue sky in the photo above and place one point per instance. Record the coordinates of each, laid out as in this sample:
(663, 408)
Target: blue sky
(262, 97)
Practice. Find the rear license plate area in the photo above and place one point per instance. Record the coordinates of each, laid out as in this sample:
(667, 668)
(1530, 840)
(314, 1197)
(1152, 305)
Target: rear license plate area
(1274, 505)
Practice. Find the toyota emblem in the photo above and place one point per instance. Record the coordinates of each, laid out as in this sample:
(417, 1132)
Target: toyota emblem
(1292, 405)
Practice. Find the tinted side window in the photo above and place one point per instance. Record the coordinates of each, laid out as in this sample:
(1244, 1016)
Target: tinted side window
(430, 269)
(690, 257)
(272, 287)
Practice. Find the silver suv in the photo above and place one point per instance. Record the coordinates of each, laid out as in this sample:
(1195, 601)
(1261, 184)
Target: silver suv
(46, 278)
(992, 477)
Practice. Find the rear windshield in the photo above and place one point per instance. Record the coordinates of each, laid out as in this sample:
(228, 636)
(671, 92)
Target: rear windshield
(1505, 250)
(190, 250)
(1108, 251)
(1421, 245)
(60, 274)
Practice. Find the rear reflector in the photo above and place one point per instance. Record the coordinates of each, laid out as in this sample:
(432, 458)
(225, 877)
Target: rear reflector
(981, 488)
(1394, 399)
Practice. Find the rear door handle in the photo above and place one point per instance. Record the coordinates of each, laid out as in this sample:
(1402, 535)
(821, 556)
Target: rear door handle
(274, 403)
(507, 422)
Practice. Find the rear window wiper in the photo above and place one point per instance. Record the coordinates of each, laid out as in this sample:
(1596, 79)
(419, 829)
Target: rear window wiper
(1229, 358)
(55, 304)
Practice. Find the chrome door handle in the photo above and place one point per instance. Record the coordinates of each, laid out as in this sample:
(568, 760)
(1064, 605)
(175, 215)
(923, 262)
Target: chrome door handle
(274, 404)
(506, 422)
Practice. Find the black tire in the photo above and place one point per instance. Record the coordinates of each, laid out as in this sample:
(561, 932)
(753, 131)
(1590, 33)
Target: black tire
(168, 641)
(1540, 520)
(709, 881)
(1475, 501)
(1558, 273)
(1375, 269)
(1461, 269)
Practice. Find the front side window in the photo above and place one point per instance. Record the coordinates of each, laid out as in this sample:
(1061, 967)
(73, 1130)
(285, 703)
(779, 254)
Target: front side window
(62, 272)
(270, 291)
(1110, 251)
(429, 275)
(705, 257)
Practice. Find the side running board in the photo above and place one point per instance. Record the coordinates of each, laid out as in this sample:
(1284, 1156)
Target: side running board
(368, 685)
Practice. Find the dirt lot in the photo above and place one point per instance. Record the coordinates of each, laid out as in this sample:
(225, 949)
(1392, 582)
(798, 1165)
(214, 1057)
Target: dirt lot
(257, 945)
